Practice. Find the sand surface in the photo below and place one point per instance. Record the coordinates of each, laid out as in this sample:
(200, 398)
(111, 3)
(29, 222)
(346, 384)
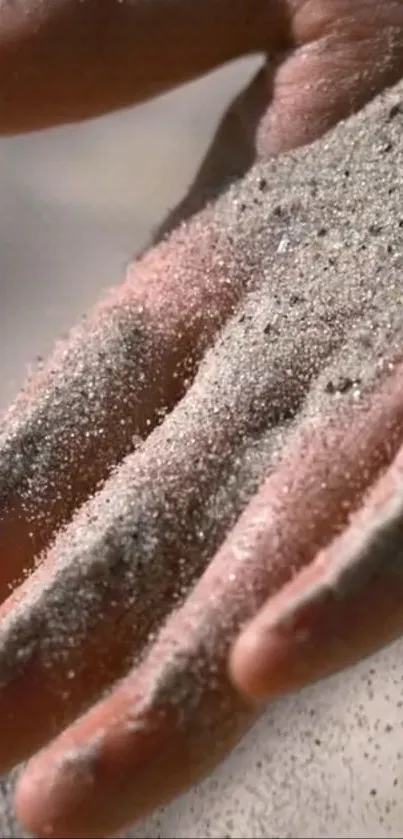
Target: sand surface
(320, 232)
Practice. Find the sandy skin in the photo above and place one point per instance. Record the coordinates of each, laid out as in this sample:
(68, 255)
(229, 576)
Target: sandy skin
(247, 379)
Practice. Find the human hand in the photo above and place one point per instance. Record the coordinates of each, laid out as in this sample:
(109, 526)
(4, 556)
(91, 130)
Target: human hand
(177, 379)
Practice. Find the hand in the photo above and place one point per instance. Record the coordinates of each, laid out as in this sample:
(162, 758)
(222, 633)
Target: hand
(177, 382)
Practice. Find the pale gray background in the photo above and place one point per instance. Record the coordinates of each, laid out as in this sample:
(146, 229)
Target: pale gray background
(75, 204)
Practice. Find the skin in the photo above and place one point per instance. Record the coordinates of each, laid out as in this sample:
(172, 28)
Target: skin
(64, 60)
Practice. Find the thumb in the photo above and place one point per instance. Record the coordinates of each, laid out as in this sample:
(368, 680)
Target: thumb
(340, 59)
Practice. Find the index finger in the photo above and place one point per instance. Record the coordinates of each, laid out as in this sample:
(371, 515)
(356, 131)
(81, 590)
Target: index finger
(68, 60)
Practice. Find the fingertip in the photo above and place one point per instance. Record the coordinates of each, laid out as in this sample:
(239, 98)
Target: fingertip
(252, 663)
(30, 804)
(282, 648)
(54, 795)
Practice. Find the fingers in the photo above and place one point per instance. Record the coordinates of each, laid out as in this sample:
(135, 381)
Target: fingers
(65, 60)
(177, 715)
(127, 557)
(264, 371)
(343, 54)
(335, 61)
(108, 385)
(248, 391)
(121, 562)
(349, 601)
(162, 729)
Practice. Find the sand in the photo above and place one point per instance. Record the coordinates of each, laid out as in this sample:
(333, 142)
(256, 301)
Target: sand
(313, 246)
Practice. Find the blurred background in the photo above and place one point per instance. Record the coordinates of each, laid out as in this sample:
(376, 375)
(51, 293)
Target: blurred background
(76, 204)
